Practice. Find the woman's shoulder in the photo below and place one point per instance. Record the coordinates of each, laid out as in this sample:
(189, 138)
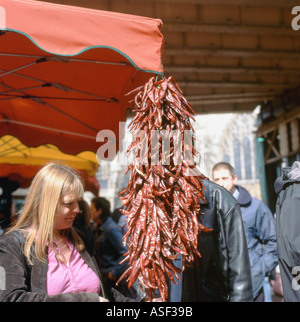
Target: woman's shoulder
(12, 238)
(12, 250)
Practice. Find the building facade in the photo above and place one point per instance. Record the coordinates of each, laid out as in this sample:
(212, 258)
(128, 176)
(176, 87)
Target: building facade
(219, 137)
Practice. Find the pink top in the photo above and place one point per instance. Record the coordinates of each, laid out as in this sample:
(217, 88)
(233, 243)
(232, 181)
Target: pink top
(74, 277)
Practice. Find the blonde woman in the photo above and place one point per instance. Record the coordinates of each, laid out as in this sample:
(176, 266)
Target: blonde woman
(42, 258)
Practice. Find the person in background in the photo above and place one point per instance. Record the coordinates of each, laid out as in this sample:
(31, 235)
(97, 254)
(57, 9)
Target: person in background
(109, 250)
(259, 225)
(7, 207)
(120, 218)
(82, 224)
(287, 188)
(42, 258)
(222, 273)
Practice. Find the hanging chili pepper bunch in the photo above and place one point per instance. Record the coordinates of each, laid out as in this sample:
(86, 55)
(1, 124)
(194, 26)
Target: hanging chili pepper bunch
(162, 199)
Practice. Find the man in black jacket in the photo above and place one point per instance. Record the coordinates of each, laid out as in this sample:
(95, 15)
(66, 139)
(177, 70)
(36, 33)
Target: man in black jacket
(223, 272)
(259, 226)
(287, 188)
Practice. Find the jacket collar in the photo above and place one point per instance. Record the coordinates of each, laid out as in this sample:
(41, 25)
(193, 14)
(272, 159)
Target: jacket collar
(244, 198)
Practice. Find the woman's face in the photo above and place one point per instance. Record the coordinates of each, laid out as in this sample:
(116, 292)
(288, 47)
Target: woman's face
(66, 211)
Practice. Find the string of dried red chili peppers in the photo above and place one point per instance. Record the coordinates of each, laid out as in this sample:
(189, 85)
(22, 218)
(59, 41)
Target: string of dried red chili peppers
(161, 201)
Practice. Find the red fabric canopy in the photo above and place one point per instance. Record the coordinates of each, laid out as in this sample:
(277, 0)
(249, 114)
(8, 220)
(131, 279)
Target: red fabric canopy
(68, 30)
(65, 70)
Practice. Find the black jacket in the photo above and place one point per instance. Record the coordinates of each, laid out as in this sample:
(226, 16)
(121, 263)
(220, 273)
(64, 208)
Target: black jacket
(223, 272)
(21, 282)
(287, 188)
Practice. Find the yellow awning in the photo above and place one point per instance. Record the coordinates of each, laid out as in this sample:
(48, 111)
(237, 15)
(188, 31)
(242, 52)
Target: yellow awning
(14, 152)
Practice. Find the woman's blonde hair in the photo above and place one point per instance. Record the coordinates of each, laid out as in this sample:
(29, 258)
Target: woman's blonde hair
(37, 217)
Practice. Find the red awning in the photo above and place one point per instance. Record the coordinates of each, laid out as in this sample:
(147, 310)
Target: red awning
(65, 70)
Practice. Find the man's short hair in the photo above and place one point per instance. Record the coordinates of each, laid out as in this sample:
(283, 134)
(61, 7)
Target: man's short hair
(224, 165)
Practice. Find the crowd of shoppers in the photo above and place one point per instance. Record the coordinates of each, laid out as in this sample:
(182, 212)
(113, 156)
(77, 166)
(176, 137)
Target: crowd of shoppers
(60, 248)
